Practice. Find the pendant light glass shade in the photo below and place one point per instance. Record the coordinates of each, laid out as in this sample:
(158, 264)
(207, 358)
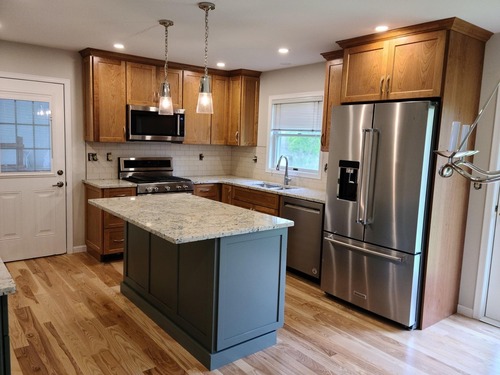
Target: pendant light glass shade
(165, 106)
(205, 102)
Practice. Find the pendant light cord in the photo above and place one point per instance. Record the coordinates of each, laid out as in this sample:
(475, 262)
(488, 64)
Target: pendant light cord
(165, 67)
(206, 41)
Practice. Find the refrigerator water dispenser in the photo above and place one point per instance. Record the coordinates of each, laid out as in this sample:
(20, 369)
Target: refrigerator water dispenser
(348, 180)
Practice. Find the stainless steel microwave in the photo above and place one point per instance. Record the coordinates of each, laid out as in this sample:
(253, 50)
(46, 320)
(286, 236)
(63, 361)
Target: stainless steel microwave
(145, 124)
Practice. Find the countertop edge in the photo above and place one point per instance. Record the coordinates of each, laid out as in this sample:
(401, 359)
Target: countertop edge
(7, 284)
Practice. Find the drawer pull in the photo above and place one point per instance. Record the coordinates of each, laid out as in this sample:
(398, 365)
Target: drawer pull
(119, 241)
(204, 190)
(119, 195)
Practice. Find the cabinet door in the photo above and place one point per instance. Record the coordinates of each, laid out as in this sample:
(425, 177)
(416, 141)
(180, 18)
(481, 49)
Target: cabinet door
(141, 84)
(333, 82)
(415, 67)
(249, 111)
(197, 126)
(364, 72)
(233, 128)
(174, 77)
(109, 100)
(243, 111)
(220, 94)
(226, 194)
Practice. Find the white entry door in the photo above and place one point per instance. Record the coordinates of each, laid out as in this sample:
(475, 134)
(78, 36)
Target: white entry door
(493, 294)
(32, 169)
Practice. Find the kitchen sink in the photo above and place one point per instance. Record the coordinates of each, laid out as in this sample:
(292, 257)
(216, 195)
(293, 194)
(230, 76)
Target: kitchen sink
(268, 185)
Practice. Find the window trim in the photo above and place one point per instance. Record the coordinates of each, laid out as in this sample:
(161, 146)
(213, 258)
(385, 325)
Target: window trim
(292, 97)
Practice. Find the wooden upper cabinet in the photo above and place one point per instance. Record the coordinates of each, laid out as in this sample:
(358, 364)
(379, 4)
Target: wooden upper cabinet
(243, 110)
(142, 88)
(333, 81)
(220, 95)
(174, 77)
(105, 99)
(196, 126)
(400, 68)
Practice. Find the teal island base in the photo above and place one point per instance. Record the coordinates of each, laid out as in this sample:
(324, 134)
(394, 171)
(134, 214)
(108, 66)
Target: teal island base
(222, 299)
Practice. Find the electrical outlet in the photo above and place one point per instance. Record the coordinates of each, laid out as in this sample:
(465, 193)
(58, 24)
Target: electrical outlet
(109, 156)
(92, 156)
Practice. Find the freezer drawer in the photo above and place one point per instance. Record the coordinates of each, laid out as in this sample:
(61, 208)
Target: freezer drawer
(382, 281)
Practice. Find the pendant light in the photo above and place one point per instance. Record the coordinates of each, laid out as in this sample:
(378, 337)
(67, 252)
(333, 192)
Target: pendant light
(205, 103)
(165, 106)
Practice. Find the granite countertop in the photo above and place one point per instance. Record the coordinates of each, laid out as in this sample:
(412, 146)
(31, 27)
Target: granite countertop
(110, 183)
(7, 285)
(297, 192)
(181, 218)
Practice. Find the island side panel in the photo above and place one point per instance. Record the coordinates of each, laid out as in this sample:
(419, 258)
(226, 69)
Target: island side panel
(251, 286)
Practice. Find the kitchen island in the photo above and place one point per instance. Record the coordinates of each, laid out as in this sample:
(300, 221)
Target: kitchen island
(210, 274)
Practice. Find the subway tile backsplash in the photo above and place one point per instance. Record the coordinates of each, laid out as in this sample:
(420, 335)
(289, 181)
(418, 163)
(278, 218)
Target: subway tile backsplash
(217, 161)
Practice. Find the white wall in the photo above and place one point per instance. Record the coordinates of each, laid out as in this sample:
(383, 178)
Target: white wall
(307, 78)
(48, 62)
(491, 76)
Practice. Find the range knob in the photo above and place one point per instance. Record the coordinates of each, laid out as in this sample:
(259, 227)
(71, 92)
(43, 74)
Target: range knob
(155, 189)
(149, 189)
(178, 187)
(185, 187)
(167, 188)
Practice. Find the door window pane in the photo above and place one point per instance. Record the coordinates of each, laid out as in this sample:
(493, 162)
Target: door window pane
(25, 136)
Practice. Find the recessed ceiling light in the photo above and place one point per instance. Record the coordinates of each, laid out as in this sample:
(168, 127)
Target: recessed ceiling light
(283, 51)
(381, 28)
(118, 46)
(221, 64)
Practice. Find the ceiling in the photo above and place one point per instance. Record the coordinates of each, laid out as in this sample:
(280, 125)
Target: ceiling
(243, 34)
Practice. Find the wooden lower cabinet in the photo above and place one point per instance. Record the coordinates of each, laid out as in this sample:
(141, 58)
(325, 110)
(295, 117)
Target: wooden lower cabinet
(261, 201)
(210, 191)
(103, 231)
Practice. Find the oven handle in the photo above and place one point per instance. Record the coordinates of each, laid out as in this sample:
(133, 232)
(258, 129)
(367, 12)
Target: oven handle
(363, 250)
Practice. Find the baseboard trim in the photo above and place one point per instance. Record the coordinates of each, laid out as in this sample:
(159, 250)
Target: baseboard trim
(465, 311)
(78, 249)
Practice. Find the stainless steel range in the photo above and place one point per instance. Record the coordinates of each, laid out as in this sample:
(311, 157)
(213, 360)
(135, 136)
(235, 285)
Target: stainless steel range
(153, 175)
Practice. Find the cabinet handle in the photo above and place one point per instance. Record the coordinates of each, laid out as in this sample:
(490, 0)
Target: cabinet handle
(119, 241)
(204, 190)
(237, 136)
(382, 85)
(119, 195)
(323, 139)
(388, 84)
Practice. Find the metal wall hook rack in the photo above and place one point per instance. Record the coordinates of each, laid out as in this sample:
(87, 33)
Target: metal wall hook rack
(456, 159)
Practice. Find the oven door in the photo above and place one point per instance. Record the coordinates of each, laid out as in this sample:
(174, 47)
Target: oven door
(145, 124)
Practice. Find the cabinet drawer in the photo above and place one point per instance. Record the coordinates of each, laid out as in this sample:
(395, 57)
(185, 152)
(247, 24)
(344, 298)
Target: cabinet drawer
(210, 191)
(111, 221)
(256, 198)
(114, 240)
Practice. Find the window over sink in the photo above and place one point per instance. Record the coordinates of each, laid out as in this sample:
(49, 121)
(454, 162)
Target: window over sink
(295, 132)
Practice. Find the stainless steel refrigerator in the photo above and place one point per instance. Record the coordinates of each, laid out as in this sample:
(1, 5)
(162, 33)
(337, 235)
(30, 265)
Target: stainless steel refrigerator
(376, 206)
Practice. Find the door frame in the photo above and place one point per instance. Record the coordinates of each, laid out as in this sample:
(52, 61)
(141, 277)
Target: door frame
(68, 149)
(488, 226)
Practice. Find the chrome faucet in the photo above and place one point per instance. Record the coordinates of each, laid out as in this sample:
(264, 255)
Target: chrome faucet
(286, 179)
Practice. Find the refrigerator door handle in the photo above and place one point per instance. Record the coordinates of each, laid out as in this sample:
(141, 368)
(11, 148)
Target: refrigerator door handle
(368, 159)
(366, 251)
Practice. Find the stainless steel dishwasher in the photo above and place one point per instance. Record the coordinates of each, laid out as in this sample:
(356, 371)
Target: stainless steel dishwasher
(305, 237)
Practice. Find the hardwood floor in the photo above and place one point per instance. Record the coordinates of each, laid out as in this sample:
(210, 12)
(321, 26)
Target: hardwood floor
(68, 317)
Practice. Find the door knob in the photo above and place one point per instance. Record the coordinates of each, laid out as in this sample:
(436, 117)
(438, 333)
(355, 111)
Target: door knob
(59, 184)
